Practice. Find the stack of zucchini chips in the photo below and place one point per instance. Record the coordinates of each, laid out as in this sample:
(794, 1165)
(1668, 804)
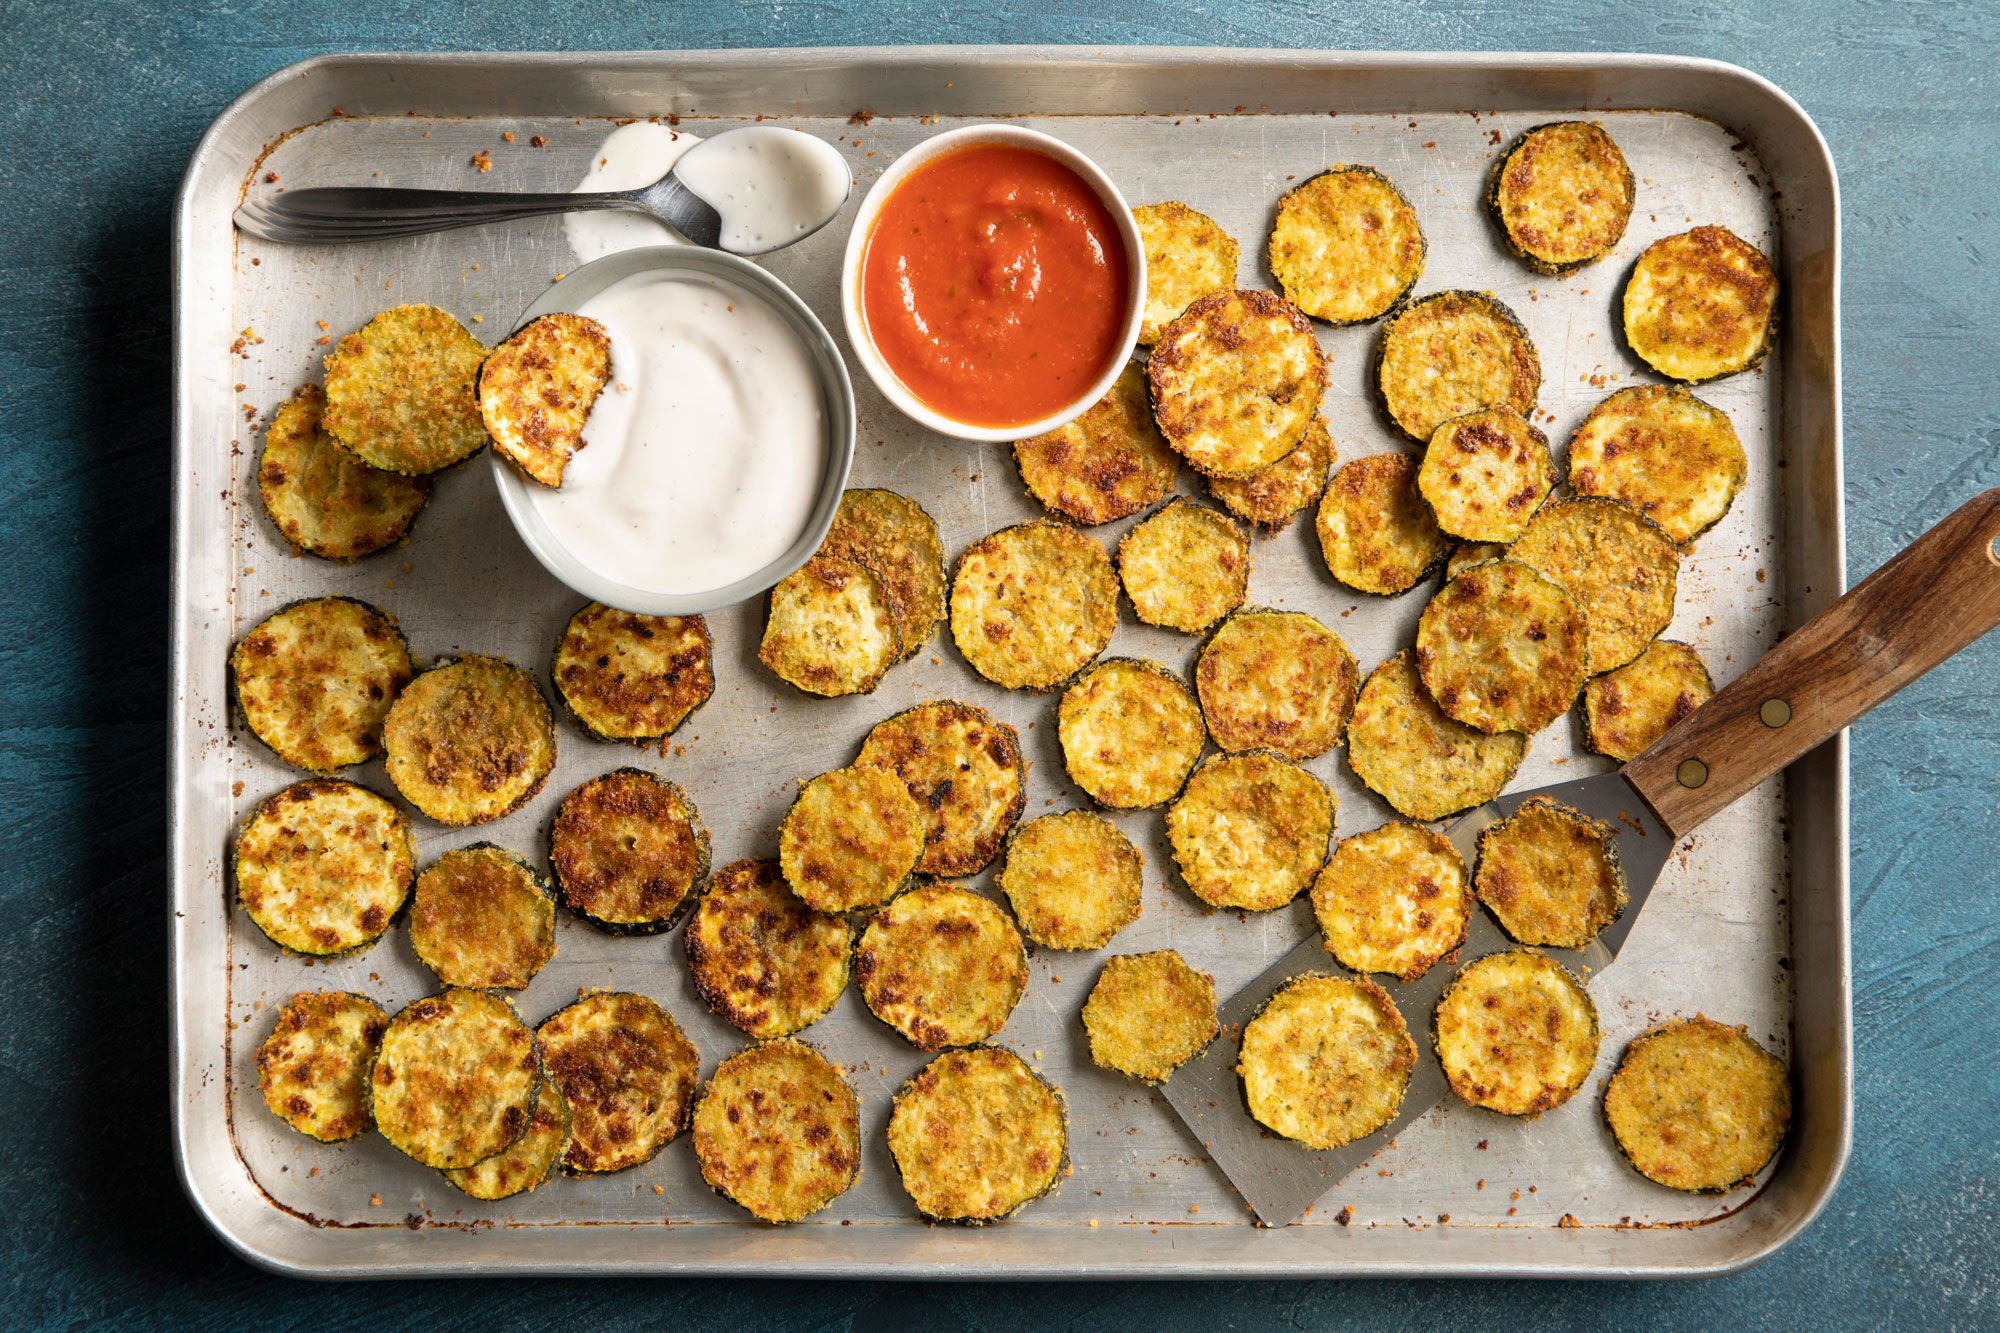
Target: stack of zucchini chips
(1557, 582)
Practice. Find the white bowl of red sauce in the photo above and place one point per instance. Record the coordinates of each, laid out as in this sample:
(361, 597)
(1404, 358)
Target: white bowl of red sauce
(993, 283)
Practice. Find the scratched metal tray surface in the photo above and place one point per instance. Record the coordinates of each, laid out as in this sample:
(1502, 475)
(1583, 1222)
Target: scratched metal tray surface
(1749, 924)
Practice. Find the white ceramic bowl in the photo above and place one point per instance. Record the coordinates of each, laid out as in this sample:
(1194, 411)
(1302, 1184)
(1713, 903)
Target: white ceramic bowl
(857, 245)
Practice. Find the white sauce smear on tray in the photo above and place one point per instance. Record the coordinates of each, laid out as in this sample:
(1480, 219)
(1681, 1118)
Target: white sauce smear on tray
(630, 158)
(770, 184)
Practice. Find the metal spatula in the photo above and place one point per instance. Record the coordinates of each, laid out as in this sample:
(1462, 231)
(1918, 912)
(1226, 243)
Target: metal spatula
(1935, 598)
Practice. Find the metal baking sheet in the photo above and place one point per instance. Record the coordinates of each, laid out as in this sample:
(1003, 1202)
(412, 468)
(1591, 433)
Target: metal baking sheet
(1748, 925)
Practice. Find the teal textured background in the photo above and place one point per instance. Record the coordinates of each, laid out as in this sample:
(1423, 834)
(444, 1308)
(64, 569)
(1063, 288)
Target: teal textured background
(102, 106)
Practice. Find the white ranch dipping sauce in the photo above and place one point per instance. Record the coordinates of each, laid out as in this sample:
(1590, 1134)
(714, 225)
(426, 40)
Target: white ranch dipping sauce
(630, 158)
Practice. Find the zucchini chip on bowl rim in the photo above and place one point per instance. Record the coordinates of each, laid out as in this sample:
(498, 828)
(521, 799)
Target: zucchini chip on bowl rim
(977, 1135)
(778, 1131)
(851, 839)
(316, 679)
(1550, 874)
(1426, 765)
(1033, 604)
(1072, 879)
(400, 392)
(628, 1074)
(323, 499)
(536, 391)
(454, 1078)
(964, 768)
(1110, 462)
(941, 965)
(1130, 733)
(470, 740)
(1250, 830)
(313, 1068)
(1277, 681)
(323, 866)
(1516, 1033)
(1149, 1014)
(763, 961)
(483, 918)
(630, 677)
(1325, 1060)
(629, 852)
(1698, 1105)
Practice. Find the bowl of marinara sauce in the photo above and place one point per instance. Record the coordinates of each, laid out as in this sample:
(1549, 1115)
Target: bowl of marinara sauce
(993, 283)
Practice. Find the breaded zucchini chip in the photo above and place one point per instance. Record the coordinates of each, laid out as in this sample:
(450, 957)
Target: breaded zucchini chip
(976, 1135)
(1236, 379)
(1130, 733)
(762, 960)
(324, 499)
(1033, 604)
(1326, 1060)
(1270, 497)
(1485, 474)
(323, 866)
(1187, 257)
(1698, 1105)
(894, 536)
(1393, 899)
(851, 839)
(1467, 554)
(628, 1074)
(536, 390)
(1562, 195)
(313, 1068)
(1501, 648)
(1109, 462)
(1550, 875)
(1250, 830)
(1615, 564)
(832, 629)
(1665, 452)
(1185, 566)
(400, 392)
(778, 1130)
(454, 1078)
(1346, 245)
(629, 852)
(1453, 353)
(1516, 1033)
(1149, 1014)
(483, 918)
(941, 965)
(628, 677)
(1072, 879)
(1405, 750)
(470, 740)
(523, 1165)
(1375, 531)
(964, 768)
(1626, 710)
(1277, 681)
(315, 680)
(1701, 305)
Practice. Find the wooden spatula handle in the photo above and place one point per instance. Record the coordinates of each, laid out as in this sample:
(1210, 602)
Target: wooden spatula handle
(1938, 596)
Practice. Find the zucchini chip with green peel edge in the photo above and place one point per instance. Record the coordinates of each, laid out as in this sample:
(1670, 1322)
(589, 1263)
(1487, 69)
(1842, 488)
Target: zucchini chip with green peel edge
(528, 1161)
(630, 677)
(1130, 733)
(1325, 1060)
(1626, 710)
(851, 839)
(401, 392)
(454, 1078)
(778, 1131)
(483, 918)
(1346, 245)
(470, 740)
(628, 1073)
(1665, 452)
(1393, 899)
(1485, 474)
(313, 1068)
(941, 965)
(1515, 1033)
(892, 535)
(1698, 1105)
(1149, 1014)
(1453, 353)
(325, 500)
(316, 679)
(1033, 604)
(629, 852)
(1701, 305)
(1110, 462)
(1185, 566)
(1271, 497)
(1375, 531)
(536, 390)
(1278, 681)
(964, 767)
(1072, 879)
(1236, 379)
(1562, 194)
(1424, 764)
(1467, 554)
(762, 960)
(1550, 874)
(832, 628)
(977, 1135)
(1616, 565)
(323, 866)
(1502, 648)
(1187, 257)
(1250, 830)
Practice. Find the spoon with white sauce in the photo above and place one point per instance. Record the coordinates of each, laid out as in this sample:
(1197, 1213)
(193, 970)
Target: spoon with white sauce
(747, 191)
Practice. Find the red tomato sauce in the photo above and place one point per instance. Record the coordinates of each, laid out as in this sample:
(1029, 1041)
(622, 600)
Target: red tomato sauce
(995, 285)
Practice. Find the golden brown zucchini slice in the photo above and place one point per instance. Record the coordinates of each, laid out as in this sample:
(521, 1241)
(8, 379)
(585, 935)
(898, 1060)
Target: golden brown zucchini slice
(832, 628)
(977, 1135)
(454, 1078)
(1617, 567)
(400, 392)
(892, 535)
(1375, 531)
(523, 1165)
(315, 680)
(470, 740)
(1467, 554)
(1516, 1033)
(1236, 379)
(1701, 305)
(1664, 451)
(323, 866)
(1072, 879)
(1485, 474)
(778, 1130)
(313, 1068)
(1270, 497)
(1325, 1061)
(1277, 681)
(1626, 710)
(483, 918)
(1250, 830)
(628, 677)
(1405, 750)
(1550, 874)
(1184, 566)
(1130, 733)
(762, 960)
(324, 499)
(1698, 1105)
(1393, 899)
(536, 390)
(1033, 604)
(629, 852)
(941, 965)
(1149, 1014)
(1453, 353)
(1110, 462)
(1501, 648)
(851, 839)
(628, 1074)
(1187, 257)
(1562, 195)
(1346, 245)
(964, 768)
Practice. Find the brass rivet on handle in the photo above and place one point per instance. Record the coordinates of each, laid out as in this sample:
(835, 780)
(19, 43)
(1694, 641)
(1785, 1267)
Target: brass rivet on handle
(1692, 773)
(1775, 713)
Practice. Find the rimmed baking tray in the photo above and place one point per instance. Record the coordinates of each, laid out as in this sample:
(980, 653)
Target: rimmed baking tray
(1750, 924)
